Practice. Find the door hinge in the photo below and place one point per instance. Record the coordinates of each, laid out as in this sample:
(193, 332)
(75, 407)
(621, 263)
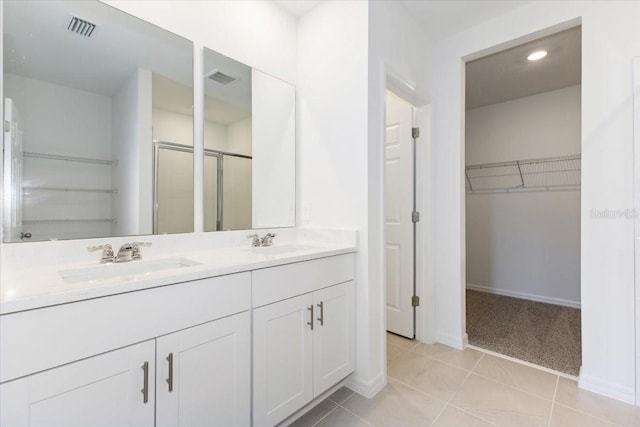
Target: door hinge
(7, 126)
(415, 133)
(415, 216)
(415, 301)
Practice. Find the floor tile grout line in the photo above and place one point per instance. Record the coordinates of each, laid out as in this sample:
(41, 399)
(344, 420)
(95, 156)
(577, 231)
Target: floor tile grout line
(513, 387)
(522, 362)
(353, 413)
(456, 392)
(553, 402)
(472, 414)
(418, 390)
(325, 415)
(589, 415)
(438, 360)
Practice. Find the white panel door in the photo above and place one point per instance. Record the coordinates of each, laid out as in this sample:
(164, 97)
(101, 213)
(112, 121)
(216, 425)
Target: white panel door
(334, 336)
(102, 391)
(282, 359)
(204, 375)
(398, 207)
(12, 191)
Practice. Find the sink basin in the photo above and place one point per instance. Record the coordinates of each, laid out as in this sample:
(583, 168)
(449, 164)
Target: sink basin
(278, 250)
(105, 272)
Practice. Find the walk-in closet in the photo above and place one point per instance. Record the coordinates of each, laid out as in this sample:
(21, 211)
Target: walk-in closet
(522, 201)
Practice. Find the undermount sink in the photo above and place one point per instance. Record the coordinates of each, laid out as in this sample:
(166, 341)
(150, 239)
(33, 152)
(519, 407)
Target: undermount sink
(105, 272)
(278, 250)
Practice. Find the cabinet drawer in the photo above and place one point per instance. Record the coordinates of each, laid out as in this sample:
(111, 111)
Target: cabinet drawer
(286, 281)
(36, 340)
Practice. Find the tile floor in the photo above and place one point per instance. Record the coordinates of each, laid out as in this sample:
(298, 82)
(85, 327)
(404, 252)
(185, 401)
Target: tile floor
(435, 385)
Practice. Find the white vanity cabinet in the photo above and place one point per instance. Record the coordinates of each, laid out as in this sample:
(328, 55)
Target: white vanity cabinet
(304, 343)
(204, 375)
(102, 391)
(58, 373)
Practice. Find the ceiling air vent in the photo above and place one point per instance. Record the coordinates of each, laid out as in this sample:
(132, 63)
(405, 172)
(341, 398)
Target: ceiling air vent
(80, 26)
(221, 78)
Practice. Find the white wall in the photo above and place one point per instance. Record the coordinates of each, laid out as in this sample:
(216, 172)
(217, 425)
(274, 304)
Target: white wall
(344, 49)
(60, 120)
(169, 126)
(133, 149)
(610, 38)
(542, 125)
(399, 59)
(332, 148)
(525, 244)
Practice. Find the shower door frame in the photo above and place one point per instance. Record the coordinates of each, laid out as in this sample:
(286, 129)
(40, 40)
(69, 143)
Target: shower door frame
(218, 154)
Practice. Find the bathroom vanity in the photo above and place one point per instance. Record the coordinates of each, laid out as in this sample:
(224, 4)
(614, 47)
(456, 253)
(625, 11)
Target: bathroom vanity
(187, 347)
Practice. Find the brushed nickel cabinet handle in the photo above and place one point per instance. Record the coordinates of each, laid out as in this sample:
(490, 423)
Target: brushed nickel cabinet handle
(310, 323)
(145, 382)
(321, 318)
(170, 379)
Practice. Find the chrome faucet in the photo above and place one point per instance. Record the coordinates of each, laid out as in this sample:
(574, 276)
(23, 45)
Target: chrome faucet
(107, 253)
(255, 240)
(130, 251)
(267, 240)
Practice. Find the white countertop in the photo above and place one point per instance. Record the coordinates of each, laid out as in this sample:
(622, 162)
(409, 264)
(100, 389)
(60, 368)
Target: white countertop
(30, 288)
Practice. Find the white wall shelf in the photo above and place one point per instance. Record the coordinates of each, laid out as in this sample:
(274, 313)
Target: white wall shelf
(79, 190)
(69, 158)
(560, 173)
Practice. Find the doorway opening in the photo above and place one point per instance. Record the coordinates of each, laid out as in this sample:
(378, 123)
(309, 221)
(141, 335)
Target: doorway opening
(400, 216)
(522, 201)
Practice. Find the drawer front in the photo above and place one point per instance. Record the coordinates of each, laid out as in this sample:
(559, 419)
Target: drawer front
(286, 281)
(36, 340)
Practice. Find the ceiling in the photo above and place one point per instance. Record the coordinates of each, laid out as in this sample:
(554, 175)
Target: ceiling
(440, 19)
(509, 75)
(297, 7)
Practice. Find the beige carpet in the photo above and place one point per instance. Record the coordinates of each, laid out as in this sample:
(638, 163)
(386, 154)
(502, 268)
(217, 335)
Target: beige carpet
(545, 334)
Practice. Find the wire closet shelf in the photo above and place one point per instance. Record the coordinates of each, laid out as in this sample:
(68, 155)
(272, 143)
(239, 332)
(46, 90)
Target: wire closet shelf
(559, 173)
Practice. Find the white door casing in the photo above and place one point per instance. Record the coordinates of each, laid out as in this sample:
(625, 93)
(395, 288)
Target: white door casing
(398, 206)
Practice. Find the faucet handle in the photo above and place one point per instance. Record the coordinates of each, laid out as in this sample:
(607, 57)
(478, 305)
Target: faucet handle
(142, 244)
(107, 252)
(135, 254)
(255, 240)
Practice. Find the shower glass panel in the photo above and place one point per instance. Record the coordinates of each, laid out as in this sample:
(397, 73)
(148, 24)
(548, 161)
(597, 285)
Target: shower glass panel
(173, 189)
(211, 191)
(236, 192)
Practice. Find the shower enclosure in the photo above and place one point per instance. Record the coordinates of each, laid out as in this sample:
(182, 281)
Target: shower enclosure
(227, 189)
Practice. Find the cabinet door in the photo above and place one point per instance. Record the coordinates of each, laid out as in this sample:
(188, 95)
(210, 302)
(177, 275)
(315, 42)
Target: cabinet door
(334, 335)
(204, 375)
(106, 390)
(282, 359)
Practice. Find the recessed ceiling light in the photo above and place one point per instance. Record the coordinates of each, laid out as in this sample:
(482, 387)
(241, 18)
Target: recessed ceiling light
(537, 55)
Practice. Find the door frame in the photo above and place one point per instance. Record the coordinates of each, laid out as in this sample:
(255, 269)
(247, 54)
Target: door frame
(425, 312)
(505, 45)
(636, 205)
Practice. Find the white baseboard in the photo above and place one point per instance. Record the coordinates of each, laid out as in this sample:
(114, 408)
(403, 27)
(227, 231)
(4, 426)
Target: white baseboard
(455, 341)
(608, 389)
(522, 295)
(366, 388)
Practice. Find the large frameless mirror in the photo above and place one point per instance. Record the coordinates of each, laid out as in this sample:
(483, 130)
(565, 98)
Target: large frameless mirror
(249, 147)
(87, 88)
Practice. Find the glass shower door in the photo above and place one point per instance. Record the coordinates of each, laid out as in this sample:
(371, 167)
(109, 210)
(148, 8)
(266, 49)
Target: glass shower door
(212, 206)
(173, 189)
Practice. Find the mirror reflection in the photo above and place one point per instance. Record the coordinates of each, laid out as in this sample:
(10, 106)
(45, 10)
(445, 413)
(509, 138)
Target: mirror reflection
(228, 159)
(87, 89)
